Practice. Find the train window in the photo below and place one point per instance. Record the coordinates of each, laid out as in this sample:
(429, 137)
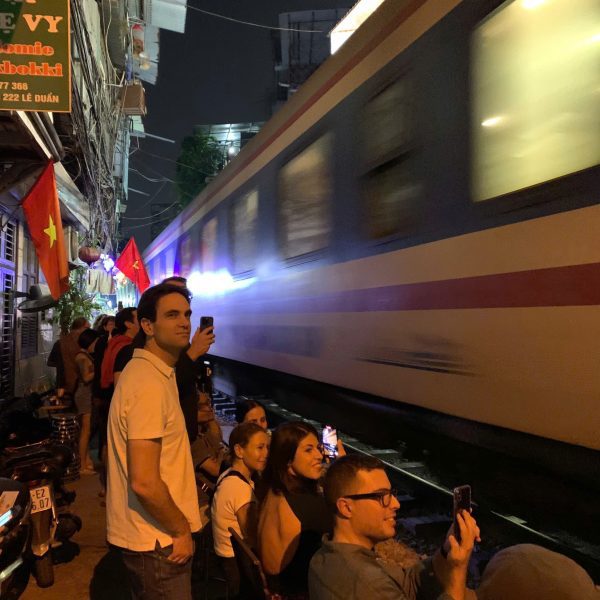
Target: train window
(305, 187)
(185, 256)
(385, 122)
(244, 212)
(535, 94)
(209, 245)
(391, 193)
(388, 189)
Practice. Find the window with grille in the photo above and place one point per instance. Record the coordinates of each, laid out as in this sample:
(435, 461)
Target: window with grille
(8, 241)
(29, 322)
(7, 281)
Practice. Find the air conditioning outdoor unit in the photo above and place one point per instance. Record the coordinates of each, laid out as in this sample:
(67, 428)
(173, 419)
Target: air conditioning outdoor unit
(133, 99)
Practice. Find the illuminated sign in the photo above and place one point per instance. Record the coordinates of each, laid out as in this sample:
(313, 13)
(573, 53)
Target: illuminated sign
(35, 68)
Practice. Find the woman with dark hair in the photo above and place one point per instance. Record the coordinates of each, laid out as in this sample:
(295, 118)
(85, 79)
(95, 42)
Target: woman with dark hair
(83, 394)
(234, 502)
(293, 516)
(251, 411)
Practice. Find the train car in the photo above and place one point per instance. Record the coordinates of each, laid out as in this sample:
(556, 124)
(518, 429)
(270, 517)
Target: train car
(421, 221)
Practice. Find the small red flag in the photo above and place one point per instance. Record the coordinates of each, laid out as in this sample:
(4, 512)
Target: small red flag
(130, 263)
(42, 212)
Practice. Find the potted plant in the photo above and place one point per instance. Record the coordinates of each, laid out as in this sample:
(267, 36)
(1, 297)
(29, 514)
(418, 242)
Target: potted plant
(76, 302)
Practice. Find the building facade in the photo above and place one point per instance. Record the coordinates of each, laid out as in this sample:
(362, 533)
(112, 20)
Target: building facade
(113, 51)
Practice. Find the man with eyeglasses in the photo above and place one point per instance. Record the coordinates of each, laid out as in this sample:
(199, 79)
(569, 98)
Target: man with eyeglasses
(364, 506)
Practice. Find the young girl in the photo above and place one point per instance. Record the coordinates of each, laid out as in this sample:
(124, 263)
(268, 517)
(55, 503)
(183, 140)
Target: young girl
(234, 502)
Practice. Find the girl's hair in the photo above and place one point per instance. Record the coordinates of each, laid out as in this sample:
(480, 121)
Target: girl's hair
(244, 407)
(241, 436)
(107, 319)
(284, 443)
(87, 337)
(99, 322)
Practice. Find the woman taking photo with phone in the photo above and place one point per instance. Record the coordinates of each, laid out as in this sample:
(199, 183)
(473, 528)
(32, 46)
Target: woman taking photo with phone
(293, 516)
(234, 503)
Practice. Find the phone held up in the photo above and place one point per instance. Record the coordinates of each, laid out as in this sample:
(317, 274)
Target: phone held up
(462, 501)
(206, 322)
(330, 442)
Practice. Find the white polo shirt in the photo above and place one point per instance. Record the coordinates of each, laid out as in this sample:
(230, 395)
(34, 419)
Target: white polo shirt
(145, 405)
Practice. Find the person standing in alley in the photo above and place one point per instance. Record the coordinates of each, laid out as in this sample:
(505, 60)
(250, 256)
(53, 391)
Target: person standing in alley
(62, 357)
(152, 503)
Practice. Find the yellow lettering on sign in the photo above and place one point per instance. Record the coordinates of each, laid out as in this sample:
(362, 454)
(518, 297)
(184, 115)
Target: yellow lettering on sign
(34, 20)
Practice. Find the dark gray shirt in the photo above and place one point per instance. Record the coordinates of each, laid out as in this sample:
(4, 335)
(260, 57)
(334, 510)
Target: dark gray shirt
(351, 572)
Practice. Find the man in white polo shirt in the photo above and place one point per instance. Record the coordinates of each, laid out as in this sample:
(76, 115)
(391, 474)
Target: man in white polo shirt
(151, 502)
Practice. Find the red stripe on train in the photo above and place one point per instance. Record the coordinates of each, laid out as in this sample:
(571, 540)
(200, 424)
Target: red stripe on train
(576, 285)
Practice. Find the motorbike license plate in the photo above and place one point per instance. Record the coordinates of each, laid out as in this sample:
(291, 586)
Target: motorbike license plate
(40, 499)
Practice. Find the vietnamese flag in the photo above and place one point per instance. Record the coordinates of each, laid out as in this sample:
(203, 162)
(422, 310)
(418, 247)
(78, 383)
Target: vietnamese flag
(130, 263)
(42, 212)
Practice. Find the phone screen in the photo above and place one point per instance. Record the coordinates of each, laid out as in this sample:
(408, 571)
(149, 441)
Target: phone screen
(462, 501)
(206, 322)
(6, 517)
(330, 441)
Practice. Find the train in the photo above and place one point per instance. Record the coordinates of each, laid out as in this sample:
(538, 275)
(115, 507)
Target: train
(421, 221)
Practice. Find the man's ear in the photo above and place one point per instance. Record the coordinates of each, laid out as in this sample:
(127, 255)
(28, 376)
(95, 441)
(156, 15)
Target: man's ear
(344, 508)
(147, 326)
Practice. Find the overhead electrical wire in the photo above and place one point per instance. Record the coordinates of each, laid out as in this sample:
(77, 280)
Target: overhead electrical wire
(130, 227)
(174, 161)
(260, 25)
(152, 216)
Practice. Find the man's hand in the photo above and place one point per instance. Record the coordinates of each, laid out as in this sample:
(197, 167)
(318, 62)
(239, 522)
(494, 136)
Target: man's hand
(459, 553)
(201, 342)
(452, 570)
(183, 548)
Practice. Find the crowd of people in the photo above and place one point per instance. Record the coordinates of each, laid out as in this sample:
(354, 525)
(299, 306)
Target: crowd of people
(173, 486)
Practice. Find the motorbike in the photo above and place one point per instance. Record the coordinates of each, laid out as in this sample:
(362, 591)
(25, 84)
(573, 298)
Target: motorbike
(30, 457)
(15, 505)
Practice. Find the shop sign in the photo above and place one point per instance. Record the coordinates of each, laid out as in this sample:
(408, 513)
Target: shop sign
(35, 67)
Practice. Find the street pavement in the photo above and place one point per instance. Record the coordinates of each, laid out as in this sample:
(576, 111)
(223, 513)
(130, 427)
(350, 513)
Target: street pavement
(94, 573)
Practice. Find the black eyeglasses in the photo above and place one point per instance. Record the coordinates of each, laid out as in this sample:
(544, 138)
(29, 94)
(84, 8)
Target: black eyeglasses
(384, 497)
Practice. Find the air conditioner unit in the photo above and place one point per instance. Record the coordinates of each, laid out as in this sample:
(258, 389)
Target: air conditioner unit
(133, 99)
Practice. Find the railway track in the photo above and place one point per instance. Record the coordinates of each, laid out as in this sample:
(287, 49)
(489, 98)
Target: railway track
(425, 513)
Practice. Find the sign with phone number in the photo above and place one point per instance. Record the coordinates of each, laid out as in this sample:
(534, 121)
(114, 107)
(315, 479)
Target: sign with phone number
(35, 66)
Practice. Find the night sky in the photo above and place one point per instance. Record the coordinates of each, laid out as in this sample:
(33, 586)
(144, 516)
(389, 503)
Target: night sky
(217, 72)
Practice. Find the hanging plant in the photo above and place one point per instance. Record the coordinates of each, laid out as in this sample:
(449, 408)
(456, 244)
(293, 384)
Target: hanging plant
(75, 303)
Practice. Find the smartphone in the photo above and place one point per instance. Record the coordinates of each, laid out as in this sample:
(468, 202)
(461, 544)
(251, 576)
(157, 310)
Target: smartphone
(206, 322)
(330, 441)
(462, 501)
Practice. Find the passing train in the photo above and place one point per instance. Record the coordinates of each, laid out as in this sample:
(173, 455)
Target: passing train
(421, 221)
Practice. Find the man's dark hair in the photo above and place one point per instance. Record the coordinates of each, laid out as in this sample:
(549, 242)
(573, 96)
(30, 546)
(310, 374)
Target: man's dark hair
(244, 407)
(175, 279)
(78, 323)
(149, 301)
(284, 442)
(124, 316)
(341, 476)
(87, 338)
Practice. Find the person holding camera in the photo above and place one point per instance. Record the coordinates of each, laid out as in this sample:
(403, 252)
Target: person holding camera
(359, 494)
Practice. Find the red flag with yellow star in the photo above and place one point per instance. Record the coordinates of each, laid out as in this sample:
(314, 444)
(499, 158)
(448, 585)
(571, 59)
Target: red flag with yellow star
(130, 263)
(42, 212)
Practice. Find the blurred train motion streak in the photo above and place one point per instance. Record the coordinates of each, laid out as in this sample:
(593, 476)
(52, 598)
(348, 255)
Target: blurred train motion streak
(421, 221)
